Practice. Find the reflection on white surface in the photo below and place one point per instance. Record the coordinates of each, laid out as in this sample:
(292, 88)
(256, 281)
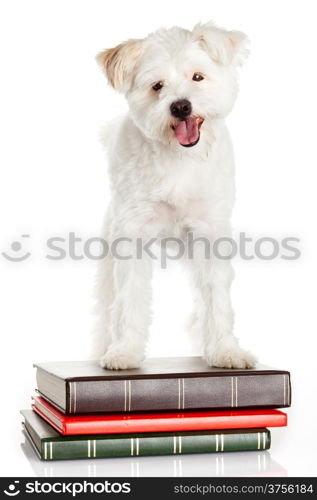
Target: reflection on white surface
(250, 463)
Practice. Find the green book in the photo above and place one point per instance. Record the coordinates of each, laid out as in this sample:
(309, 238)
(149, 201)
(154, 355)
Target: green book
(50, 445)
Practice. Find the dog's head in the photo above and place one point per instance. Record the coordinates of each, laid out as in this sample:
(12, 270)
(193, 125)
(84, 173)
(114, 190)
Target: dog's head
(176, 81)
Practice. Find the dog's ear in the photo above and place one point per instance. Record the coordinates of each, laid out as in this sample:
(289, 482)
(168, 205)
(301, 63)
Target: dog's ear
(118, 63)
(224, 47)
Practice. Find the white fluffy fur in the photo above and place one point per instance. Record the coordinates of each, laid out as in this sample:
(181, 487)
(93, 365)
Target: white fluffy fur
(160, 188)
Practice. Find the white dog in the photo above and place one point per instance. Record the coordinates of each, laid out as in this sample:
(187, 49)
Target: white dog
(172, 172)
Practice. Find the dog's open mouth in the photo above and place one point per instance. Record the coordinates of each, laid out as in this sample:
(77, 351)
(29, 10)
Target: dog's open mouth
(187, 132)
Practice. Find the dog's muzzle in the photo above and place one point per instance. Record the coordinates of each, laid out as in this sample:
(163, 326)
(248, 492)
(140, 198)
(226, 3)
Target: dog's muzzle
(187, 127)
(187, 131)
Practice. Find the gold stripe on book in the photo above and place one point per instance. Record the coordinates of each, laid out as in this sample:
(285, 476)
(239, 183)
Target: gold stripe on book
(180, 444)
(137, 445)
(183, 393)
(70, 397)
(130, 395)
(222, 442)
(234, 391)
(132, 447)
(88, 445)
(45, 450)
(264, 440)
(51, 450)
(217, 442)
(125, 395)
(175, 444)
(75, 398)
(259, 441)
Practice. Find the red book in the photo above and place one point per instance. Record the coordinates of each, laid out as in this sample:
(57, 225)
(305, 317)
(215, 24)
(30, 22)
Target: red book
(157, 422)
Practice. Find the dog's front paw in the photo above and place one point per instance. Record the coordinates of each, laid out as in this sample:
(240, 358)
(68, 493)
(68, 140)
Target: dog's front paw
(230, 357)
(120, 358)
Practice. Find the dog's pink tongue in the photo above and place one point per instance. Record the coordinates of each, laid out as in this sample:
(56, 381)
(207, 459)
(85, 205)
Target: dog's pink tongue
(187, 131)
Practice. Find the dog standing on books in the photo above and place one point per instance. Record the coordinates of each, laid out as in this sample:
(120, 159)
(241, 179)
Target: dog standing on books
(172, 173)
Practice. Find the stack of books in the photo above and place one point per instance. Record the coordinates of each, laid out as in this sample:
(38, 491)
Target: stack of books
(170, 406)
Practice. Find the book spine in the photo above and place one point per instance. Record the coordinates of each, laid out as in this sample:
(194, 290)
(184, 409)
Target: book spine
(159, 394)
(157, 445)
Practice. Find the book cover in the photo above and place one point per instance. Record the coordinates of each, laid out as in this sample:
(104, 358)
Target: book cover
(258, 463)
(183, 383)
(52, 446)
(156, 422)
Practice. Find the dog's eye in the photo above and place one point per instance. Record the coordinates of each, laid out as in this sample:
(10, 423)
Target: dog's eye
(197, 77)
(157, 86)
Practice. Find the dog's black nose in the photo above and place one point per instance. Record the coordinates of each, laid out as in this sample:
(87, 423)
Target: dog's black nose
(181, 109)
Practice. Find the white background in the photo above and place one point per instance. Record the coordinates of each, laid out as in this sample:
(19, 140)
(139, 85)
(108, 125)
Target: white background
(53, 100)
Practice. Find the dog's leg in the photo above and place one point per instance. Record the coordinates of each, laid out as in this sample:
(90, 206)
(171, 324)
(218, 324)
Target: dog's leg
(104, 293)
(212, 279)
(130, 310)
